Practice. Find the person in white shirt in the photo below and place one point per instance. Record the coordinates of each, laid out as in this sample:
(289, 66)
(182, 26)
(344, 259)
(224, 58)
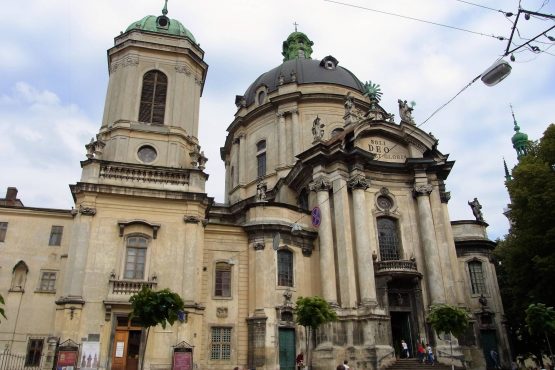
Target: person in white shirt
(345, 365)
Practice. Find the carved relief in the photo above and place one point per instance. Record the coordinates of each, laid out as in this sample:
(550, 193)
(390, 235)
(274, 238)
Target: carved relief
(422, 189)
(221, 312)
(87, 211)
(182, 68)
(258, 246)
(320, 184)
(128, 61)
(191, 219)
(146, 175)
(358, 182)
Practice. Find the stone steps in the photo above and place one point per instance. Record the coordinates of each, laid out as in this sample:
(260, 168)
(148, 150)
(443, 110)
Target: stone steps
(413, 364)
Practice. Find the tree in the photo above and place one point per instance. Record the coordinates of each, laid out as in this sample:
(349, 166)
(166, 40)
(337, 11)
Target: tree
(311, 312)
(526, 255)
(540, 321)
(155, 308)
(2, 308)
(448, 319)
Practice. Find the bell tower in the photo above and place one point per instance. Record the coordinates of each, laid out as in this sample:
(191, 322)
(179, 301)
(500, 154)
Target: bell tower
(151, 114)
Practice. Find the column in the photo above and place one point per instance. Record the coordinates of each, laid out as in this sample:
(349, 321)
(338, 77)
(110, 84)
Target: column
(242, 157)
(344, 244)
(459, 282)
(296, 133)
(78, 250)
(429, 243)
(191, 260)
(227, 182)
(321, 186)
(282, 148)
(365, 264)
(235, 166)
(259, 280)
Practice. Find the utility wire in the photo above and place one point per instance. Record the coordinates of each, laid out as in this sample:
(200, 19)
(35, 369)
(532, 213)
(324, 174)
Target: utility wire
(483, 6)
(415, 19)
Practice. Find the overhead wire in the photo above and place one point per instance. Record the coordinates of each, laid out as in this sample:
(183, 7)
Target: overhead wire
(482, 6)
(501, 38)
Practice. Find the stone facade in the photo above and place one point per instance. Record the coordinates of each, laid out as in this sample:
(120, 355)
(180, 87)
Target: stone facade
(379, 245)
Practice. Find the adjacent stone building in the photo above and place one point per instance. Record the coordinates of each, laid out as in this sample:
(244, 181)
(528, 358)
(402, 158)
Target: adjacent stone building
(326, 194)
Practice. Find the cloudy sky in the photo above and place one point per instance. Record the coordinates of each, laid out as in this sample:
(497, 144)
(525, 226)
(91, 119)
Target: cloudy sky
(54, 79)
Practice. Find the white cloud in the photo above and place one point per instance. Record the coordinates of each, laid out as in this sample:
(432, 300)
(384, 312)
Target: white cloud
(46, 121)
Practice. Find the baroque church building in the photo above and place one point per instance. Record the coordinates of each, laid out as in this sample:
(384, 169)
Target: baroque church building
(326, 194)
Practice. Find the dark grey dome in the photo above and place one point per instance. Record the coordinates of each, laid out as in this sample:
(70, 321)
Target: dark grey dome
(304, 71)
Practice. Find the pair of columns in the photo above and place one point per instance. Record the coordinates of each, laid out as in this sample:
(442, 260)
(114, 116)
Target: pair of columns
(367, 286)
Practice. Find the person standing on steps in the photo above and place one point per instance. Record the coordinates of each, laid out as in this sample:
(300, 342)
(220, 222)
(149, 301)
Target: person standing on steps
(405, 353)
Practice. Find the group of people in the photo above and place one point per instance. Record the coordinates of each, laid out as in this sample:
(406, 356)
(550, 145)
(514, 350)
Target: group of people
(425, 354)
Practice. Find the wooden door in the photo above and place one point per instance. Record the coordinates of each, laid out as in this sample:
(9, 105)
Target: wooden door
(119, 350)
(286, 349)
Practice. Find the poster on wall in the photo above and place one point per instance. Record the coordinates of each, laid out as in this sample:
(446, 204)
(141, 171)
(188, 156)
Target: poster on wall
(67, 360)
(90, 356)
(182, 359)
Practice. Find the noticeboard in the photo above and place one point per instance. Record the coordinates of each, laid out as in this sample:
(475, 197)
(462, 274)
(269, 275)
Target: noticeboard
(67, 360)
(182, 359)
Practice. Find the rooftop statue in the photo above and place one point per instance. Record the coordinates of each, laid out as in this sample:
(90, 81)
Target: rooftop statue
(405, 111)
(476, 209)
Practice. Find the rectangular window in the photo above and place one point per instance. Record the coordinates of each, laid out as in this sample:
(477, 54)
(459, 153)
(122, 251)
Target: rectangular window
(222, 286)
(261, 164)
(477, 277)
(56, 235)
(3, 230)
(34, 352)
(48, 281)
(221, 344)
(285, 268)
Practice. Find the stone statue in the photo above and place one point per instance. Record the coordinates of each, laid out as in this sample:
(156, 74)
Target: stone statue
(405, 111)
(261, 188)
(317, 129)
(349, 104)
(476, 209)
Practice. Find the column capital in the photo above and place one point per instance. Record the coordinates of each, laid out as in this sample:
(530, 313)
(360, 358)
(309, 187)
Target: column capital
(258, 246)
(320, 183)
(422, 189)
(358, 182)
(280, 114)
(294, 111)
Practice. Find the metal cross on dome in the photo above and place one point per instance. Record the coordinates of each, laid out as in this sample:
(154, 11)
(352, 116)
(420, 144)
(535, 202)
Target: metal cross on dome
(295, 24)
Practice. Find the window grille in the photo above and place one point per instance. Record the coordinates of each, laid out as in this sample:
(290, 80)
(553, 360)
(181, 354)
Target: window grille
(153, 97)
(221, 344)
(388, 239)
(477, 280)
(56, 235)
(285, 268)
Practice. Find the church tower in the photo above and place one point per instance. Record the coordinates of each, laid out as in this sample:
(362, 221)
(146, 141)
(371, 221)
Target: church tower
(141, 199)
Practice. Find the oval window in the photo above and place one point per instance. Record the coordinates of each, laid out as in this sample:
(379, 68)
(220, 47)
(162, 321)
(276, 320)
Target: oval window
(147, 154)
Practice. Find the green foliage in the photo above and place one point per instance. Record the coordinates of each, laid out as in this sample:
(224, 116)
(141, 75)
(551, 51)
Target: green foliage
(313, 311)
(445, 318)
(540, 319)
(2, 308)
(152, 308)
(527, 255)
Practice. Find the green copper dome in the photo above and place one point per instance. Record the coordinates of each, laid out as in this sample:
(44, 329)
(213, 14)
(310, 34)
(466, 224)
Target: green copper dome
(519, 139)
(162, 24)
(297, 44)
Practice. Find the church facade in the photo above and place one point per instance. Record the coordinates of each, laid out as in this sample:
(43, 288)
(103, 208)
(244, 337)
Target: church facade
(327, 194)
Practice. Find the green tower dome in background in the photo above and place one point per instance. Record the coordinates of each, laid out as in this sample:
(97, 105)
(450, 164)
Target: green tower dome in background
(519, 139)
(162, 24)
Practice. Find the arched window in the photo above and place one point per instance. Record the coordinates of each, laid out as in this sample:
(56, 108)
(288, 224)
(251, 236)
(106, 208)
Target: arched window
(135, 257)
(19, 277)
(153, 97)
(477, 280)
(285, 268)
(261, 158)
(388, 239)
(222, 280)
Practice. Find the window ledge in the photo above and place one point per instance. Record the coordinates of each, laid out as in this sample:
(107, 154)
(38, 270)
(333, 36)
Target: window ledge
(219, 298)
(45, 291)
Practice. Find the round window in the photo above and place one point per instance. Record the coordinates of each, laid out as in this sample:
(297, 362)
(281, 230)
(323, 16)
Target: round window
(147, 154)
(384, 202)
